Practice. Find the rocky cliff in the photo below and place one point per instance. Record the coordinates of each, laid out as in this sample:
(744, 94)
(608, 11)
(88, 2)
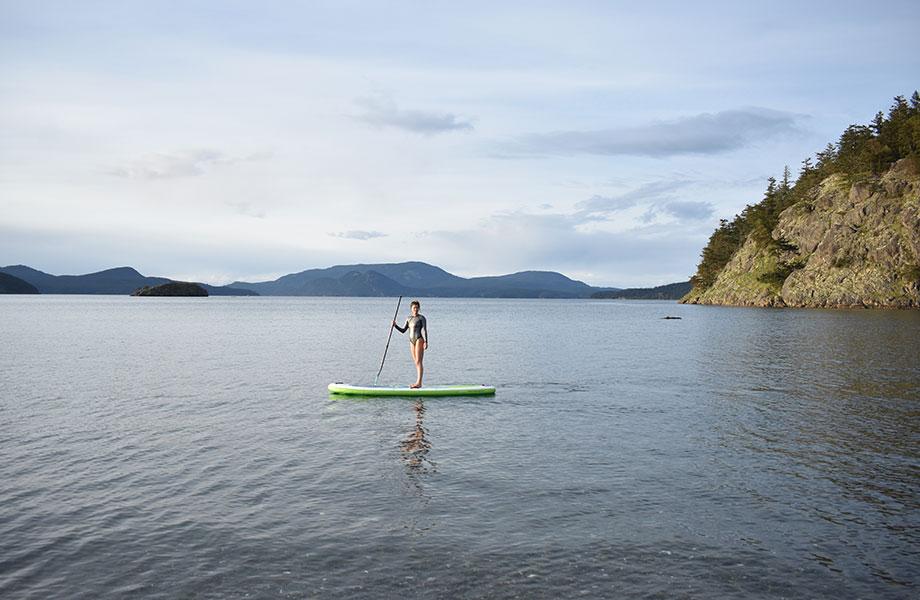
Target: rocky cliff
(847, 243)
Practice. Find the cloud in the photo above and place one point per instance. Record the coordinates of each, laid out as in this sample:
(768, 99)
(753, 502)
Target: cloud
(706, 133)
(605, 204)
(358, 235)
(658, 197)
(642, 255)
(657, 242)
(682, 211)
(180, 164)
(654, 192)
(247, 208)
(382, 112)
(688, 209)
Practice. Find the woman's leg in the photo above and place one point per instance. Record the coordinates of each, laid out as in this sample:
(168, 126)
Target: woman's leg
(414, 358)
(418, 354)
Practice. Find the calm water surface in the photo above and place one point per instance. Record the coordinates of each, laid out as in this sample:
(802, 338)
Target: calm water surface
(187, 448)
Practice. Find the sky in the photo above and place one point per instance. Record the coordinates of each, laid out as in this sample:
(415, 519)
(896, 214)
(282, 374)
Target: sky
(218, 141)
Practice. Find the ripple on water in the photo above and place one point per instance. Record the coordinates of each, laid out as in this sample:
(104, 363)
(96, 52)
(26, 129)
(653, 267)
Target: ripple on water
(746, 454)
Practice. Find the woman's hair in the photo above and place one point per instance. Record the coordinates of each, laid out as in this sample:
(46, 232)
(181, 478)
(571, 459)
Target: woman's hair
(415, 303)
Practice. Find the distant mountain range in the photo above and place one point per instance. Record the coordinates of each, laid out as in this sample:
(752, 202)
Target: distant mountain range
(418, 279)
(121, 280)
(387, 279)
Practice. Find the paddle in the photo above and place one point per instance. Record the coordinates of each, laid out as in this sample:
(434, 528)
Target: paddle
(396, 314)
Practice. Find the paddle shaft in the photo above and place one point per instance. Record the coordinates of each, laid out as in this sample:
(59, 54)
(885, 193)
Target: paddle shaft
(392, 323)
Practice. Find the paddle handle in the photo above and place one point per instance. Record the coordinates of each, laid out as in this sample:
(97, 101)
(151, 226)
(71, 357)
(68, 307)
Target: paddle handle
(396, 314)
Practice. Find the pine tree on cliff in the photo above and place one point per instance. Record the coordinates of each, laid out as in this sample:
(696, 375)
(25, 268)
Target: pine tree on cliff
(723, 243)
(826, 157)
(785, 186)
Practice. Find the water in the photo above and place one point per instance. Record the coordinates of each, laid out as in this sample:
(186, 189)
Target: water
(187, 448)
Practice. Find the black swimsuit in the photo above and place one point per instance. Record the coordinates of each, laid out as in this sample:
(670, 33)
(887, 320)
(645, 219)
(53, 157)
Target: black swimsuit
(416, 325)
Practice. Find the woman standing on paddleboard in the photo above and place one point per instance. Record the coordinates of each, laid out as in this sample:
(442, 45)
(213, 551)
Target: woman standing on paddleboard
(417, 327)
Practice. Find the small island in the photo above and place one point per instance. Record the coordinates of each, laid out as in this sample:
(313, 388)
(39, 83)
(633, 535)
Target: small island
(173, 288)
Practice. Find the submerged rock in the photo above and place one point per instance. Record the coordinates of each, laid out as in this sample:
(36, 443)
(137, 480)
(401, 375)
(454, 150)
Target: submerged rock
(173, 288)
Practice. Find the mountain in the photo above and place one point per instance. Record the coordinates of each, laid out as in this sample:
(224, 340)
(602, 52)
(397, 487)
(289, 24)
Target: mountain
(14, 285)
(383, 279)
(352, 283)
(671, 291)
(417, 279)
(320, 282)
(535, 284)
(121, 280)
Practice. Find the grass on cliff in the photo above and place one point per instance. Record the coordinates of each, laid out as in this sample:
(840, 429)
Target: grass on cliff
(862, 151)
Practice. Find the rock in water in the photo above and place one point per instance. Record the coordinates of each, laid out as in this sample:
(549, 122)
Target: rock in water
(173, 288)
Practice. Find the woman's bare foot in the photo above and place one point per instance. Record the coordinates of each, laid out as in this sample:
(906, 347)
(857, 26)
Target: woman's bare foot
(415, 386)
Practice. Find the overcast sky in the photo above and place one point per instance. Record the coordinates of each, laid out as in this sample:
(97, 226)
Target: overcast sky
(217, 141)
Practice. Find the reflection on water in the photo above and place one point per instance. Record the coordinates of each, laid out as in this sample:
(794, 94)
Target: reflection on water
(414, 452)
(415, 446)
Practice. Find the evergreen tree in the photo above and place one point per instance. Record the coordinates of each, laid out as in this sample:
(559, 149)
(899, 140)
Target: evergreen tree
(786, 175)
(853, 156)
(723, 244)
(806, 166)
(826, 157)
(877, 122)
(771, 186)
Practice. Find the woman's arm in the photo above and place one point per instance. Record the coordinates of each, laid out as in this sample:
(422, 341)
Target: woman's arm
(401, 329)
(425, 331)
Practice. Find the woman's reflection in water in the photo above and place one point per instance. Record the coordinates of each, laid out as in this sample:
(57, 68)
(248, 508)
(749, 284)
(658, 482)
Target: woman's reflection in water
(416, 445)
(414, 450)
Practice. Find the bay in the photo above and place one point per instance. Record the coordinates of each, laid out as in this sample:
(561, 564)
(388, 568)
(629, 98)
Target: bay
(166, 447)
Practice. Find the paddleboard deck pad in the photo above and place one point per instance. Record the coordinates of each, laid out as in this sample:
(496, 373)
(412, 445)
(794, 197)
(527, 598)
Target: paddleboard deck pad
(436, 390)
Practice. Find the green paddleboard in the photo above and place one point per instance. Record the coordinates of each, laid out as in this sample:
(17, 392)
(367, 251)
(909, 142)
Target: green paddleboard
(436, 390)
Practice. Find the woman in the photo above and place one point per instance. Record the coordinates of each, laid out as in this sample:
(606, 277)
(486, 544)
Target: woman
(417, 327)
